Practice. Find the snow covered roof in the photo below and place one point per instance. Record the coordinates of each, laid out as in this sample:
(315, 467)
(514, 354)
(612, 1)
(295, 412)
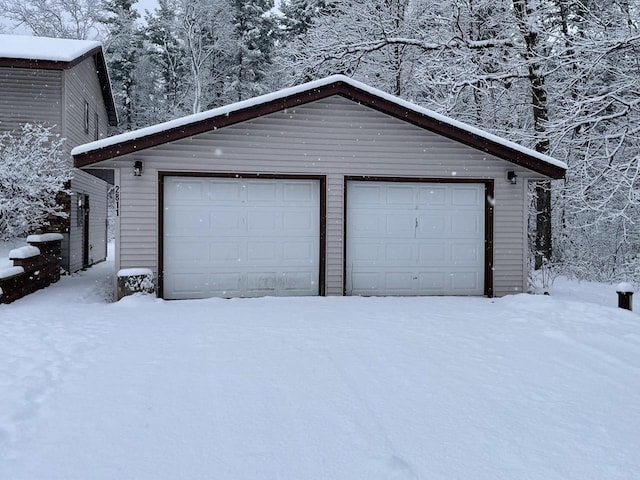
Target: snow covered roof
(44, 48)
(24, 51)
(190, 125)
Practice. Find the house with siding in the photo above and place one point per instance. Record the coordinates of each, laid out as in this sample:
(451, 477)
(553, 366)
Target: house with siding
(327, 188)
(64, 83)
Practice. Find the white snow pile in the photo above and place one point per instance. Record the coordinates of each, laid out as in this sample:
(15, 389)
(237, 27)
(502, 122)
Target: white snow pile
(133, 272)
(21, 253)
(531, 387)
(45, 237)
(11, 272)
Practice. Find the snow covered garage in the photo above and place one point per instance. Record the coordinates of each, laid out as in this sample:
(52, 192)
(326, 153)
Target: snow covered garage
(327, 188)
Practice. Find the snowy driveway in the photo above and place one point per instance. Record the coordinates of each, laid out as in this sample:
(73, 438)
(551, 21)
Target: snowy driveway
(316, 388)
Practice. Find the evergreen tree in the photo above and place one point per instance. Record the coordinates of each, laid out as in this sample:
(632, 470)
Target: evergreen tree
(255, 32)
(123, 50)
(168, 60)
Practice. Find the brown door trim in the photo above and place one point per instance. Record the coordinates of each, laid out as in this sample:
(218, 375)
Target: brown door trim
(322, 180)
(488, 219)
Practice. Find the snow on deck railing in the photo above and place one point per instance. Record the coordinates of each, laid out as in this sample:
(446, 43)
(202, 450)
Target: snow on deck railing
(44, 237)
(24, 252)
(35, 266)
(11, 272)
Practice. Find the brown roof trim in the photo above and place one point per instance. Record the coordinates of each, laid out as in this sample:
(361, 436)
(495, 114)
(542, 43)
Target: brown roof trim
(336, 88)
(101, 70)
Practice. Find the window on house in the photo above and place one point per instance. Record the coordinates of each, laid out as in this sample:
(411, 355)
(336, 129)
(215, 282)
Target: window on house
(86, 117)
(96, 132)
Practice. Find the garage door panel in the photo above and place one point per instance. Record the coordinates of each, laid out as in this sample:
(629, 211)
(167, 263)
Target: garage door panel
(264, 191)
(367, 282)
(186, 283)
(186, 191)
(187, 219)
(223, 192)
(433, 254)
(298, 192)
(400, 252)
(463, 196)
(223, 252)
(432, 196)
(302, 221)
(264, 222)
(225, 284)
(463, 281)
(365, 252)
(465, 224)
(432, 225)
(187, 251)
(433, 283)
(400, 225)
(415, 238)
(364, 195)
(225, 220)
(398, 282)
(262, 252)
(241, 237)
(296, 283)
(466, 254)
(399, 195)
(296, 251)
(364, 223)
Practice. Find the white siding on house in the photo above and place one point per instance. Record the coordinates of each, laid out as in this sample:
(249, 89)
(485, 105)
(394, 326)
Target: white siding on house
(333, 137)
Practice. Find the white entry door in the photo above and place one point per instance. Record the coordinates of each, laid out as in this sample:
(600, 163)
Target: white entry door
(415, 238)
(233, 237)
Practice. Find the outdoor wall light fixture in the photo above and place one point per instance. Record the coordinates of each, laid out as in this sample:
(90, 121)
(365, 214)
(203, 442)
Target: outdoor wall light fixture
(512, 178)
(137, 168)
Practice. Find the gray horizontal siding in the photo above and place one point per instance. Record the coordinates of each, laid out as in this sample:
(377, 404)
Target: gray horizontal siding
(333, 137)
(30, 95)
(82, 84)
(96, 188)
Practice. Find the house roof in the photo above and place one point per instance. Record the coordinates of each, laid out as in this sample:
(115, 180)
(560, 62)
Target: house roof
(166, 132)
(23, 51)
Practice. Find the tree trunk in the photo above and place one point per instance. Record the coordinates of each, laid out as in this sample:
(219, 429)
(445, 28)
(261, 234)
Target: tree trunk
(526, 23)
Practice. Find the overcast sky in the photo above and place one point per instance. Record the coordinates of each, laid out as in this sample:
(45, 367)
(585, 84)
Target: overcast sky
(141, 5)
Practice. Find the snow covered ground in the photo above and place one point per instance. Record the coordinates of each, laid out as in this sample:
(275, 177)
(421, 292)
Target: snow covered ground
(318, 388)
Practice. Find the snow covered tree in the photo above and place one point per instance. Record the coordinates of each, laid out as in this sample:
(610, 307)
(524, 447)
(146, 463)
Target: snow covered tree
(191, 45)
(254, 28)
(123, 49)
(299, 16)
(595, 118)
(32, 174)
(168, 59)
(206, 34)
(54, 18)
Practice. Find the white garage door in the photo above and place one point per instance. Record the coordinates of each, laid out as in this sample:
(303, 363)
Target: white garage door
(230, 237)
(415, 238)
